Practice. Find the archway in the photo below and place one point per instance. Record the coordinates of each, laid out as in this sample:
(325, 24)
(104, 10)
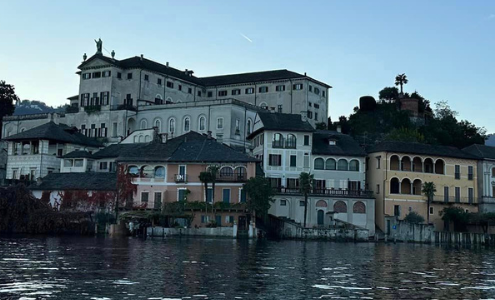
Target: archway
(405, 186)
(394, 186)
(394, 163)
(439, 167)
(417, 165)
(131, 125)
(405, 164)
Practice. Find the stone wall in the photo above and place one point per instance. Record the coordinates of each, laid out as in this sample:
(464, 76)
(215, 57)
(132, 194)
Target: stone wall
(227, 232)
(295, 231)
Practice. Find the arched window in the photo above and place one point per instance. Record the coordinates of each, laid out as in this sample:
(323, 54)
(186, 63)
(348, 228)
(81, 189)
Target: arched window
(159, 172)
(226, 172)
(187, 124)
(171, 125)
(359, 208)
(417, 186)
(354, 165)
(493, 172)
(202, 123)
(428, 165)
(147, 171)
(394, 163)
(263, 105)
(343, 165)
(439, 167)
(405, 164)
(340, 207)
(136, 139)
(417, 165)
(321, 203)
(394, 186)
(141, 139)
(144, 124)
(133, 170)
(405, 186)
(330, 164)
(240, 173)
(278, 141)
(319, 164)
(249, 124)
(291, 141)
(158, 125)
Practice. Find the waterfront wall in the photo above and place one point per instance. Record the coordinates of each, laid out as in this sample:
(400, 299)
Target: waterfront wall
(464, 238)
(295, 231)
(407, 232)
(227, 232)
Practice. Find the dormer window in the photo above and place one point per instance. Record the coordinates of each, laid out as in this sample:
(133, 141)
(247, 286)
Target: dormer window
(332, 142)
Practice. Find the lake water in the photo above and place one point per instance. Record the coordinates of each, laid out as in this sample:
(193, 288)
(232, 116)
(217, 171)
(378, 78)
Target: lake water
(187, 268)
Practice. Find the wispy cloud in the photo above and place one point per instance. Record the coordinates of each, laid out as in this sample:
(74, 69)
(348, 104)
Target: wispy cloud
(248, 39)
(492, 16)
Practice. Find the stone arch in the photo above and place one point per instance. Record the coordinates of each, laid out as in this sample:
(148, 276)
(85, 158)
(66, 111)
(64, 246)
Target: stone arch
(159, 172)
(342, 165)
(147, 171)
(340, 207)
(263, 105)
(141, 139)
(147, 138)
(417, 164)
(405, 164)
(405, 186)
(439, 166)
(394, 163)
(359, 208)
(428, 165)
(321, 203)
(170, 100)
(394, 185)
(291, 141)
(132, 169)
(417, 187)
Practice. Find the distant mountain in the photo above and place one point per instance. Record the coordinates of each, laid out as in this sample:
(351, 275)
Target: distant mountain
(30, 107)
(490, 141)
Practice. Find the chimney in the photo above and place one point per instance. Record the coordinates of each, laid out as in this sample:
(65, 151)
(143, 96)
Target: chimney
(164, 137)
(142, 56)
(304, 116)
(167, 64)
(209, 134)
(339, 128)
(304, 73)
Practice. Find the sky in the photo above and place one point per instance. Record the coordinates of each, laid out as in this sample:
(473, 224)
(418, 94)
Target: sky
(445, 47)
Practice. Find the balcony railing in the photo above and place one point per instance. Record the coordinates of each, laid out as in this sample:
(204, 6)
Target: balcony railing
(454, 199)
(123, 107)
(180, 178)
(71, 109)
(327, 192)
(233, 178)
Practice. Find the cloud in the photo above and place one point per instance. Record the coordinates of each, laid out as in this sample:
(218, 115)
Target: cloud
(492, 16)
(249, 40)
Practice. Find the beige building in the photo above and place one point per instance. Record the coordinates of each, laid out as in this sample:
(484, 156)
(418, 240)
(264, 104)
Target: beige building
(396, 171)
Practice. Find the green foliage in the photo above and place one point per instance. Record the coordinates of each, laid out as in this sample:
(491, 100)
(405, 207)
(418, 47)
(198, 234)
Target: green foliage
(414, 218)
(429, 189)
(321, 126)
(367, 103)
(7, 101)
(401, 79)
(306, 182)
(92, 109)
(71, 109)
(389, 94)
(259, 195)
(405, 135)
(457, 216)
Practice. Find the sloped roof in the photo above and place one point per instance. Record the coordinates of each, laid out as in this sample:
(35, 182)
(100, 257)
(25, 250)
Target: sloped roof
(282, 122)
(55, 132)
(115, 150)
(481, 151)
(78, 154)
(190, 147)
(345, 144)
(77, 181)
(421, 149)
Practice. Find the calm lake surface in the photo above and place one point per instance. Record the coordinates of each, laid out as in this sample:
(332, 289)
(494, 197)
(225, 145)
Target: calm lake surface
(105, 268)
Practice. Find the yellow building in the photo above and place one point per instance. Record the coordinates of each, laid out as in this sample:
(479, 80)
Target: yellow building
(396, 171)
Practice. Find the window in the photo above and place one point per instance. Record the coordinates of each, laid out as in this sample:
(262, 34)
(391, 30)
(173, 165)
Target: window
(493, 172)
(293, 161)
(298, 86)
(189, 90)
(249, 127)
(306, 160)
(431, 210)
(306, 140)
(317, 105)
(317, 91)
(202, 123)
(78, 162)
(86, 75)
(330, 164)
(114, 129)
(378, 189)
(309, 104)
(291, 141)
(144, 196)
(354, 165)
(179, 87)
(470, 172)
(310, 88)
(236, 92)
(263, 89)
(310, 114)
(15, 174)
(470, 195)
(242, 194)
(159, 81)
(319, 164)
(445, 194)
(279, 108)
(397, 210)
(210, 94)
(158, 200)
(146, 77)
(159, 172)
(129, 75)
(104, 97)
(457, 194)
(222, 93)
(293, 183)
(68, 163)
(378, 162)
(301, 203)
(219, 137)
(332, 142)
(107, 73)
(220, 123)
(263, 105)
(103, 165)
(316, 116)
(249, 91)
(226, 195)
(187, 124)
(170, 84)
(199, 93)
(283, 202)
(275, 160)
(96, 74)
(457, 172)
(119, 75)
(342, 165)
(171, 126)
(84, 99)
(323, 93)
(280, 88)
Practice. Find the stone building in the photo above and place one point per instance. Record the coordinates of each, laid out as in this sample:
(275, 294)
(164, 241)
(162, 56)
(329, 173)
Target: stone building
(486, 175)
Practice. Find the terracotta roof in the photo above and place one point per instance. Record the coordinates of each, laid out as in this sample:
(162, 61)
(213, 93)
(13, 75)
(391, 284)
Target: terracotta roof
(55, 132)
(481, 151)
(421, 149)
(77, 181)
(345, 144)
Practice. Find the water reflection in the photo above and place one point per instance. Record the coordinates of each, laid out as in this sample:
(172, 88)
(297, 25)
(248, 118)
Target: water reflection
(99, 268)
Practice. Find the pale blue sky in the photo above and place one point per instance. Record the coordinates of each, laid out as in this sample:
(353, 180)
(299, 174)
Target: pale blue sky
(446, 48)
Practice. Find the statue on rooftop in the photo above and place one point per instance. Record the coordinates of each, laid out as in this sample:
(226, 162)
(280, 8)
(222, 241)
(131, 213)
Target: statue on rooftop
(99, 46)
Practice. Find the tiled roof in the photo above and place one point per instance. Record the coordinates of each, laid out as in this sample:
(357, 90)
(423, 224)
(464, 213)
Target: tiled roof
(55, 132)
(481, 151)
(77, 181)
(115, 150)
(190, 147)
(78, 154)
(345, 144)
(421, 149)
(282, 122)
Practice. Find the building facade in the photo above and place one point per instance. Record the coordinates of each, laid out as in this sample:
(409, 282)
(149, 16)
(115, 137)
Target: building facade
(486, 176)
(397, 172)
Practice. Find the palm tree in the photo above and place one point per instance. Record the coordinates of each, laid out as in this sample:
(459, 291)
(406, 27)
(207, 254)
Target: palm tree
(305, 186)
(429, 191)
(213, 172)
(401, 79)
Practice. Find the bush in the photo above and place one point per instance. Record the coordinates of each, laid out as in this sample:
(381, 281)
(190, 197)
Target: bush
(414, 218)
(367, 103)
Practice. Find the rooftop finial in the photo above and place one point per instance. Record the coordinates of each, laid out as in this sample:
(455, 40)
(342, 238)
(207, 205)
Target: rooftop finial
(99, 46)
(85, 57)
(113, 54)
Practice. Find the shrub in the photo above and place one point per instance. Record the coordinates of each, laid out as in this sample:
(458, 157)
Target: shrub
(367, 103)
(414, 218)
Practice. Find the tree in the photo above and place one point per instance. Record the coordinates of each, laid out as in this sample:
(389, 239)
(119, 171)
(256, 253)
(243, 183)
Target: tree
(321, 126)
(345, 127)
(260, 194)
(405, 135)
(125, 188)
(455, 215)
(401, 79)
(7, 100)
(213, 171)
(429, 190)
(389, 94)
(305, 186)
(414, 218)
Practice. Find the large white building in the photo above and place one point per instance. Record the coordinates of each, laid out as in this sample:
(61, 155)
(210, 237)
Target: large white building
(486, 176)
(117, 97)
(288, 145)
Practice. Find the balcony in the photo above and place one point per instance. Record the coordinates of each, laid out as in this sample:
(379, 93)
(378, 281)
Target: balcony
(71, 109)
(326, 192)
(454, 200)
(232, 178)
(180, 178)
(123, 107)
